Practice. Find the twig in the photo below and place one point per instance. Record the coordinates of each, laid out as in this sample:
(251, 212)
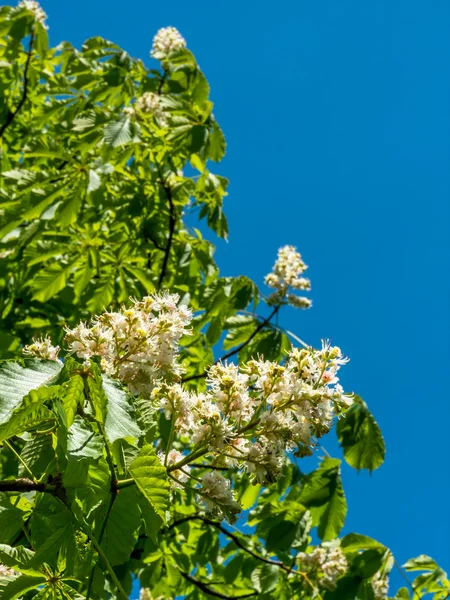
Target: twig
(400, 570)
(243, 547)
(207, 590)
(213, 467)
(23, 485)
(172, 223)
(239, 348)
(12, 114)
(233, 537)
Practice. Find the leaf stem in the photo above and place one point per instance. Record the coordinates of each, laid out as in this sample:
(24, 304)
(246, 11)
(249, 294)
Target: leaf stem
(20, 459)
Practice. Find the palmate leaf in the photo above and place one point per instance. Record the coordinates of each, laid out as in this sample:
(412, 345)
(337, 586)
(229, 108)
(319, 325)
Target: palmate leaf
(361, 438)
(322, 493)
(17, 379)
(151, 478)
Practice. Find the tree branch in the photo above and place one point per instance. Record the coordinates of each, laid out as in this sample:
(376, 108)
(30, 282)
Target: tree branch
(172, 223)
(239, 348)
(235, 539)
(207, 590)
(12, 114)
(23, 485)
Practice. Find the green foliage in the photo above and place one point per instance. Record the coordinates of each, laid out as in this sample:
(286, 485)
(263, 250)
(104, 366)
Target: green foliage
(361, 438)
(98, 201)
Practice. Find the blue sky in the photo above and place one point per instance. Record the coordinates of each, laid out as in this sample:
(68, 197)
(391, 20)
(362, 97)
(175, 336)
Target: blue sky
(337, 117)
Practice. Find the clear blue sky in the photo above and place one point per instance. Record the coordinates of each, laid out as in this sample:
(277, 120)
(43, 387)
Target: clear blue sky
(337, 116)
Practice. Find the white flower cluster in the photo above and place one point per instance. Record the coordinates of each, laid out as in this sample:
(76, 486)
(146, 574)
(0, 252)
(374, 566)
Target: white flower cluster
(7, 572)
(250, 416)
(166, 41)
(287, 273)
(326, 562)
(218, 497)
(42, 348)
(36, 9)
(137, 345)
(150, 103)
(380, 586)
(179, 475)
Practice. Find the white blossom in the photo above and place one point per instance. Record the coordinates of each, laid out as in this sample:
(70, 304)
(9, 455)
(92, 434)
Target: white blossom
(129, 111)
(217, 495)
(137, 345)
(36, 9)
(326, 562)
(7, 572)
(380, 586)
(287, 273)
(166, 41)
(174, 457)
(42, 348)
(150, 103)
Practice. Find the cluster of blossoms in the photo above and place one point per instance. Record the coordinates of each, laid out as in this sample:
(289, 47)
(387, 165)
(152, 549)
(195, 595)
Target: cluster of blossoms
(43, 348)
(248, 417)
(35, 8)
(137, 345)
(218, 496)
(380, 586)
(287, 273)
(326, 563)
(166, 41)
(150, 104)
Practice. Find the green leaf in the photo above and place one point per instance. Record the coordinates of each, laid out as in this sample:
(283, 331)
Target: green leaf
(12, 588)
(123, 526)
(361, 438)
(249, 496)
(15, 558)
(420, 563)
(73, 397)
(121, 416)
(151, 478)
(17, 379)
(94, 181)
(323, 494)
(353, 542)
(216, 143)
(25, 418)
(118, 133)
(49, 282)
(82, 442)
(265, 578)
